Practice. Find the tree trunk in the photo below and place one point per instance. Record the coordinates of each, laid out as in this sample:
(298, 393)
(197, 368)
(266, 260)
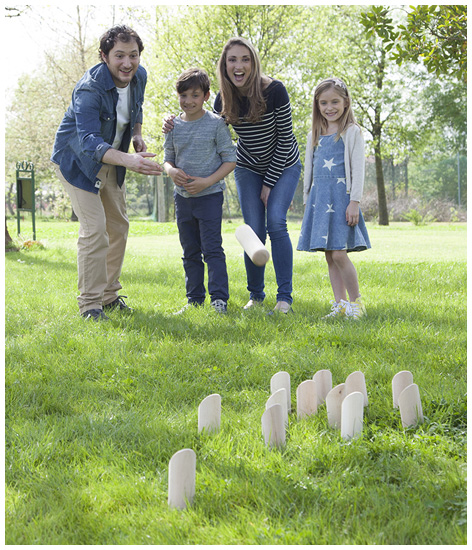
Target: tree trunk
(393, 178)
(406, 177)
(383, 212)
(9, 200)
(9, 240)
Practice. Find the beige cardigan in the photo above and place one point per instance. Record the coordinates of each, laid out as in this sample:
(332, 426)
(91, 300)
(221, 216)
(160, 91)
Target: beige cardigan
(354, 163)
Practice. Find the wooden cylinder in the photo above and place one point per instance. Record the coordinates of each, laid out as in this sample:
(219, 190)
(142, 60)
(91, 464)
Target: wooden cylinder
(252, 245)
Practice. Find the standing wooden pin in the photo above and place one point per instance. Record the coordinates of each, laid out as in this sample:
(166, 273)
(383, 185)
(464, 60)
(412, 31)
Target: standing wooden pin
(324, 383)
(307, 400)
(352, 415)
(182, 468)
(280, 397)
(356, 382)
(334, 401)
(399, 382)
(409, 402)
(273, 427)
(209, 413)
(252, 245)
(281, 380)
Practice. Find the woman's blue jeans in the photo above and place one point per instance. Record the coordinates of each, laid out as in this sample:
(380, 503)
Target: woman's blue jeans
(274, 222)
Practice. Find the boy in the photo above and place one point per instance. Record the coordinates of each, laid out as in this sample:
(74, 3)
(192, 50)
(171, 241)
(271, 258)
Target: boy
(198, 154)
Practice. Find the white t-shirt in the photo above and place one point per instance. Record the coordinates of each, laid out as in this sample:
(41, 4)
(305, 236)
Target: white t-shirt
(122, 114)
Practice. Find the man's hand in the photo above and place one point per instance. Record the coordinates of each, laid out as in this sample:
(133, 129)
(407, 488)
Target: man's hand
(138, 144)
(141, 163)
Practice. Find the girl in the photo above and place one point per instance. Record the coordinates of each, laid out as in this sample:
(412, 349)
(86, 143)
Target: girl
(334, 171)
(268, 162)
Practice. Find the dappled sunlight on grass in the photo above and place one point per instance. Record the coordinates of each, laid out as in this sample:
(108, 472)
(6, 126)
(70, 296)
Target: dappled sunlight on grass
(94, 411)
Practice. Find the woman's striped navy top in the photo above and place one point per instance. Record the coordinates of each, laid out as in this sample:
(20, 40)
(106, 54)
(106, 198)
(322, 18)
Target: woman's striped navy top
(269, 146)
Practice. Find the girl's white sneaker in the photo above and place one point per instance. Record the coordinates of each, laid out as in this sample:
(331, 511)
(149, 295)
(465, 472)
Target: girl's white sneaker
(338, 309)
(356, 309)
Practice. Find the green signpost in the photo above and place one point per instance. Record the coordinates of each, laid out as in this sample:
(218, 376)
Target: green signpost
(25, 192)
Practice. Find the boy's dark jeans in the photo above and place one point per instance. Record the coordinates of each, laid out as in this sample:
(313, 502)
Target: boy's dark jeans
(199, 224)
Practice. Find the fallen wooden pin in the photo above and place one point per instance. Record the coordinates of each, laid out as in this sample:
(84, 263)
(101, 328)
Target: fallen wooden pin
(356, 382)
(279, 397)
(273, 426)
(182, 469)
(352, 415)
(400, 381)
(282, 380)
(252, 245)
(409, 402)
(307, 399)
(334, 401)
(209, 413)
(324, 383)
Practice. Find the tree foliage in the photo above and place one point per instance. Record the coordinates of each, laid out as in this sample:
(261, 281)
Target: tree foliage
(300, 45)
(436, 35)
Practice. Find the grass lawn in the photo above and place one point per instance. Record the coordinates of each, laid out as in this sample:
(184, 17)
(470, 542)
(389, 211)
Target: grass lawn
(94, 411)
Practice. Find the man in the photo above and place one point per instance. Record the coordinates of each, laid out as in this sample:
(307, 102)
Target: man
(91, 153)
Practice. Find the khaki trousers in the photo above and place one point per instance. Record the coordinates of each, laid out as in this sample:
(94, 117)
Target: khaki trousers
(102, 239)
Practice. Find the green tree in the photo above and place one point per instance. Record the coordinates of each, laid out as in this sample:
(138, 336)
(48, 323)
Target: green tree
(41, 98)
(436, 35)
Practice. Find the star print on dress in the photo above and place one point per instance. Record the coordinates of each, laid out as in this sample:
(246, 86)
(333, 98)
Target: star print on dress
(330, 208)
(329, 164)
(341, 180)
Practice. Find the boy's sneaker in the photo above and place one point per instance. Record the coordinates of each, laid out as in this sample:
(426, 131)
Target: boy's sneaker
(187, 306)
(219, 306)
(253, 304)
(338, 309)
(118, 303)
(95, 315)
(281, 307)
(356, 309)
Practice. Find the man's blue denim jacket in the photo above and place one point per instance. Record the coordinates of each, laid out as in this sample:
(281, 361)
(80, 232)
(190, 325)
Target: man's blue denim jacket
(89, 125)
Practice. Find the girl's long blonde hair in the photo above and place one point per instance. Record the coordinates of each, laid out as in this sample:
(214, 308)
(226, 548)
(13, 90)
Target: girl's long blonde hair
(230, 94)
(319, 123)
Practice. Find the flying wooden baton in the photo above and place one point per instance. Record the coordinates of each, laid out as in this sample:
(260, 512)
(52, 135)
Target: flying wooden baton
(252, 245)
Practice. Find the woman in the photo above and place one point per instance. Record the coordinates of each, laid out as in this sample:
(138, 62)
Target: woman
(268, 162)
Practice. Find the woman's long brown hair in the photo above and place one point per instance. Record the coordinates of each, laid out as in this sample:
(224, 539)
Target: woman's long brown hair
(230, 94)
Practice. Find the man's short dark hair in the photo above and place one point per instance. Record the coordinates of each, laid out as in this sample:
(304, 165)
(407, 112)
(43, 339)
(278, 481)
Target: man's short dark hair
(121, 33)
(193, 79)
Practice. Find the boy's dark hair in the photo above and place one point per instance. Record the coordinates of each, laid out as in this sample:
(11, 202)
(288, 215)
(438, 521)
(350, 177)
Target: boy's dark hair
(121, 33)
(193, 79)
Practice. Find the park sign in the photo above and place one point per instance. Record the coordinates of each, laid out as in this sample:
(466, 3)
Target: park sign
(25, 192)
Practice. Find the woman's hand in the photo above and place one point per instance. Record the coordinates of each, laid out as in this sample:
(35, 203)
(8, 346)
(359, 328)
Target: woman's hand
(265, 192)
(352, 213)
(168, 124)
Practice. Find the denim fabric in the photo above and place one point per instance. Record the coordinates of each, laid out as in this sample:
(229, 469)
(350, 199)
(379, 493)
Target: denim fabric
(199, 224)
(273, 222)
(89, 125)
(324, 225)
